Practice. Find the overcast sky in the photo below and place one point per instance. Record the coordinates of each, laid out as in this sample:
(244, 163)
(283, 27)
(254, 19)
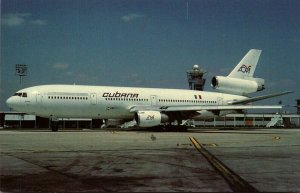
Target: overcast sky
(148, 43)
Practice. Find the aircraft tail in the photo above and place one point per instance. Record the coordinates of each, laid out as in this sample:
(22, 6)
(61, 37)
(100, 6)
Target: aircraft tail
(240, 80)
(246, 67)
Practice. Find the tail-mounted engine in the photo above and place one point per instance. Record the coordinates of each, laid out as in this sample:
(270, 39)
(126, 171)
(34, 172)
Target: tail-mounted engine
(237, 85)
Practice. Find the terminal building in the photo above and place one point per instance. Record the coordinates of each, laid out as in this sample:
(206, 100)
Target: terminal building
(22, 120)
(252, 120)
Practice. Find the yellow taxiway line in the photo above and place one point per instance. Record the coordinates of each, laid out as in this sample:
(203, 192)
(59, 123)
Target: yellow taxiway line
(236, 183)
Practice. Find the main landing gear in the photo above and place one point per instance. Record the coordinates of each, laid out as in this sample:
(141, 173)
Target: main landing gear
(177, 126)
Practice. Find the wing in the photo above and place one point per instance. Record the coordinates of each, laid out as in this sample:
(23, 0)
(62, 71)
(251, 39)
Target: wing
(232, 105)
(199, 108)
(253, 99)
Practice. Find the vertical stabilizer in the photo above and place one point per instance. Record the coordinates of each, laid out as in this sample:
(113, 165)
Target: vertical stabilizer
(246, 67)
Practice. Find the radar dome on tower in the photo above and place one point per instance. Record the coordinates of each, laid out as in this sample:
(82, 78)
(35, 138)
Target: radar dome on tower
(196, 67)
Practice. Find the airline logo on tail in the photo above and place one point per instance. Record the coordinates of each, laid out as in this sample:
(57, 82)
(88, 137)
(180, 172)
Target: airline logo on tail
(245, 69)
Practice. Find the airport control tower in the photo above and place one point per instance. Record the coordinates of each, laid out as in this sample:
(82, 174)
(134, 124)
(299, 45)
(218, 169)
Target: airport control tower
(195, 78)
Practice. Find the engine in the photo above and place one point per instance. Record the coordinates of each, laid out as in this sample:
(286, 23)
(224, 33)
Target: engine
(237, 85)
(150, 118)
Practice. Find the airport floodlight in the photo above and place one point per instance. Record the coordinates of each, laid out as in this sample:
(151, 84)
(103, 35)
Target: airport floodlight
(21, 70)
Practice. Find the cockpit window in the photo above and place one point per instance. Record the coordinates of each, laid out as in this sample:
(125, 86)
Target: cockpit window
(20, 94)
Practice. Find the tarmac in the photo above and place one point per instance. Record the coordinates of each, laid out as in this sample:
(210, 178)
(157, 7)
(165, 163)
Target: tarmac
(198, 160)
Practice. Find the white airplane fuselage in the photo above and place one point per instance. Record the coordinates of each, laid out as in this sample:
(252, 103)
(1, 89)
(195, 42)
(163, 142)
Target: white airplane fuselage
(105, 102)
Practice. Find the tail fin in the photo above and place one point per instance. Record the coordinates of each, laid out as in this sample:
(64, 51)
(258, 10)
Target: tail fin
(246, 67)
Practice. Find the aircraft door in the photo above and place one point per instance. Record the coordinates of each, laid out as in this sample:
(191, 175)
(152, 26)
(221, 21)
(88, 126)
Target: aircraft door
(220, 101)
(38, 98)
(40, 104)
(153, 100)
(93, 97)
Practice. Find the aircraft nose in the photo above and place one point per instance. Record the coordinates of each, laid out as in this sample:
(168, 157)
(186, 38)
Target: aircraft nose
(11, 102)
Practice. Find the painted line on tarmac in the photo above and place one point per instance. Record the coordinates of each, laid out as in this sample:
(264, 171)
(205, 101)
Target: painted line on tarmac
(236, 183)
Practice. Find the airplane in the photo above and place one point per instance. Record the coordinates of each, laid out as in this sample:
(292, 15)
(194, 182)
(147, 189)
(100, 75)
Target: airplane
(148, 107)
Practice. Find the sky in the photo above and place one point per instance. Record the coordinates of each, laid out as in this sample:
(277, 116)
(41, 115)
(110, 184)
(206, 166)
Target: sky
(148, 43)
